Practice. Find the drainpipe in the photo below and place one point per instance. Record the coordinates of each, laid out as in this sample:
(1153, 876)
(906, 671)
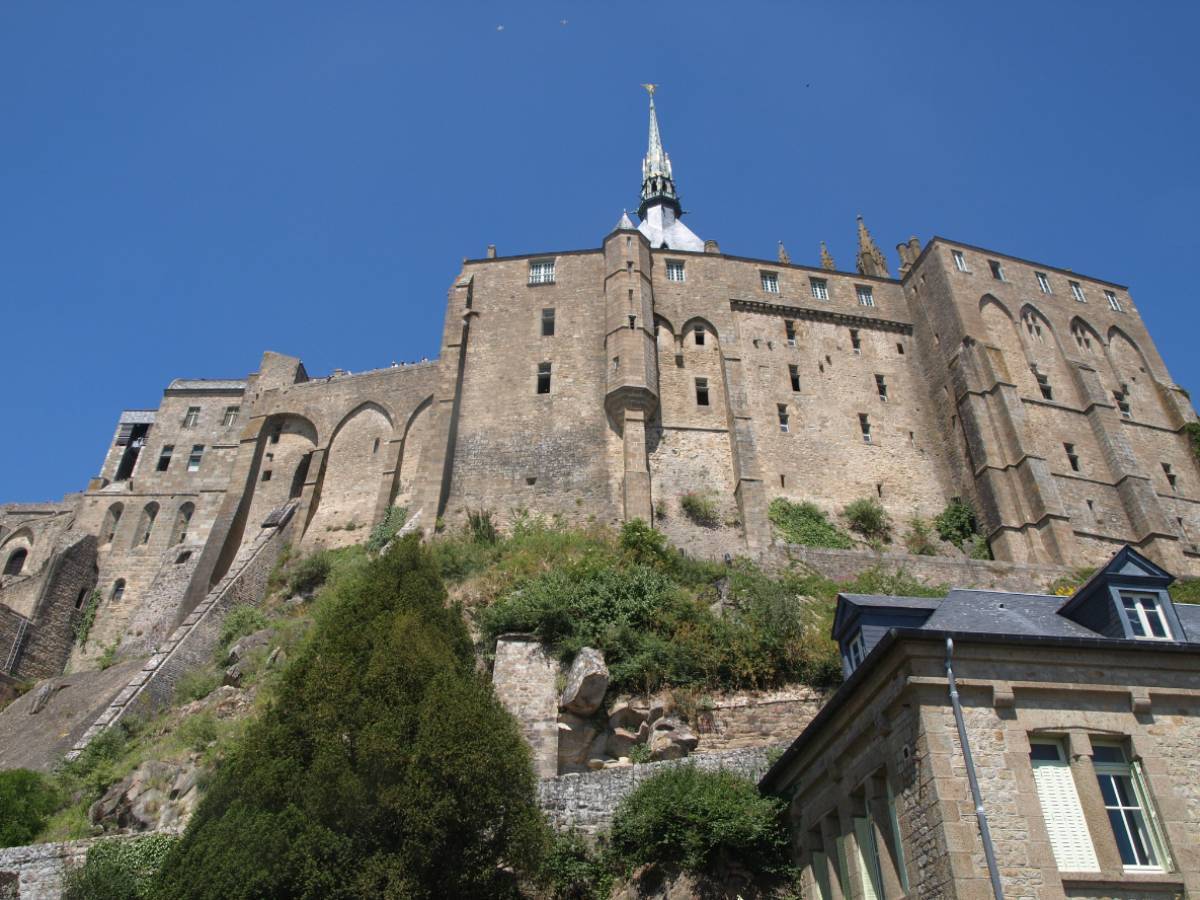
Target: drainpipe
(989, 852)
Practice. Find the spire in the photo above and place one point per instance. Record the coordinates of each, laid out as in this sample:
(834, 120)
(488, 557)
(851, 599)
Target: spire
(624, 222)
(659, 210)
(871, 260)
(783, 255)
(827, 260)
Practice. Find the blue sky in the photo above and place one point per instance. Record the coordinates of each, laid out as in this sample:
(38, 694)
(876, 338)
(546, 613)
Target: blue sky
(183, 186)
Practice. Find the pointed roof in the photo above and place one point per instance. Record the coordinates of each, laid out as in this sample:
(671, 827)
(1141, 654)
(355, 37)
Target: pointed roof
(871, 260)
(625, 222)
(827, 260)
(656, 162)
(659, 210)
(783, 255)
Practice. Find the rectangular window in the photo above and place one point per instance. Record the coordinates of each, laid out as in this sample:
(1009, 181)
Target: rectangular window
(1171, 477)
(960, 261)
(164, 458)
(698, 335)
(266, 475)
(866, 295)
(1123, 404)
(1113, 302)
(997, 270)
(1043, 282)
(855, 342)
(1077, 292)
(702, 392)
(547, 323)
(541, 271)
(819, 288)
(820, 870)
(191, 417)
(543, 378)
(900, 349)
(1072, 456)
(783, 417)
(1043, 382)
(1145, 617)
(864, 425)
(770, 282)
(194, 458)
(895, 822)
(794, 375)
(674, 270)
(789, 331)
(881, 387)
(231, 414)
(868, 859)
(1070, 840)
(275, 433)
(1130, 813)
(857, 650)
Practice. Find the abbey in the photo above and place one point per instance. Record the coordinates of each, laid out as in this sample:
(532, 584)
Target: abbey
(605, 383)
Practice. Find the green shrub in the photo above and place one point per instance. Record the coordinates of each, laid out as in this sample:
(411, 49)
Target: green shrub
(956, 523)
(804, 523)
(240, 621)
(1186, 591)
(701, 508)
(198, 731)
(100, 764)
(918, 540)
(868, 517)
(310, 573)
(977, 547)
(1192, 430)
(384, 767)
(695, 820)
(196, 685)
(87, 617)
(643, 543)
(573, 870)
(895, 584)
(108, 657)
(481, 527)
(392, 522)
(27, 799)
(119, 869)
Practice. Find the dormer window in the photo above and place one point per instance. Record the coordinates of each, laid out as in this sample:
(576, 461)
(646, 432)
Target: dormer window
(857, 650)
(1144, 617)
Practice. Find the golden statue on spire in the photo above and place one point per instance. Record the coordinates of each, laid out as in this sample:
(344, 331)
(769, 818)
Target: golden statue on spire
(650, 89)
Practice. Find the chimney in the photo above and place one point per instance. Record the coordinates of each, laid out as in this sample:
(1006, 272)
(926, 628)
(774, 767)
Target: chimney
(491, 254)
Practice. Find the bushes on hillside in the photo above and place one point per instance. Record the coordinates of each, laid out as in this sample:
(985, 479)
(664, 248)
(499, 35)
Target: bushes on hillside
(240, 621)
(956, 523)
(309, 573)
(868, 517)
(701, 508)
(804, 523)
(384, 766)
(119, 869)
(918, 540)
(392, 522)
(27, 799)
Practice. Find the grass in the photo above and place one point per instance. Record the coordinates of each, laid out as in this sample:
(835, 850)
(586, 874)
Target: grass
(806, 524)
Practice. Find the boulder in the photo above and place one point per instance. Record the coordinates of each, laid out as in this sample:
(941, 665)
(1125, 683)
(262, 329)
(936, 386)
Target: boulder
(671, 738)
(277, 659)
(624, 715)
(232, 676)
(242, 647)
(42, 695)
(662, 747)
(620, 741)
(575, 738)
(586, 683)
(157, 794)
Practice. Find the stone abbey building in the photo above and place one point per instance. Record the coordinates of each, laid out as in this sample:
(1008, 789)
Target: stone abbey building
(604, 383)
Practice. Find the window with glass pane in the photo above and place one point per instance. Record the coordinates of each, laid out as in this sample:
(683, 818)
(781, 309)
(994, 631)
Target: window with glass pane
(858, 650)
(1145, 616)
(866, 296)
(1113, 302)
(960, 261)
(1043, 282)
(868, 859)
(541, 272)
(770, 282)
(820, 288)
(674, 270)
(1077, 292)
(1126, 803)
(1070, 840)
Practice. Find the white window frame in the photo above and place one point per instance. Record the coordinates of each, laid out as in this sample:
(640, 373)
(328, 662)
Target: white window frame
(857, 650)
(191, 418)
(997, 269)
(675, 270)
(1043, 282)
(960, 261)
(231, 415)
(195, 458)
(789, 331)
(769, 281)
(784, 418)
(819, 288)
(541, 271)
(865, 294)
(1077, 292)
(870, 867)
(864, 427)
(1140, 615)
(1070, 839)
(1150, 830)
(1114, 301)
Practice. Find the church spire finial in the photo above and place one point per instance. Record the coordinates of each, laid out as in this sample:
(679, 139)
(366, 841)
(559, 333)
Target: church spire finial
(784, 258)
(826, 259)
(658, 185)
(871, 260)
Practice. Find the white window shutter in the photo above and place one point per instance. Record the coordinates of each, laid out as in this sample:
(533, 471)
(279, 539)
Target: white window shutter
(868, 859)
(1069, 836)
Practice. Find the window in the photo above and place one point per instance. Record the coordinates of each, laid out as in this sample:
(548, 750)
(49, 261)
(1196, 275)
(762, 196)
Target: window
(864, 425)
(770, 282)
(698, 335)
(541, 271)
(1113, 302)
(1033, 326)
(183, 519)
(118, 591)
(997, 270)
(1082, 338)
(1123, 404)
(1077, 291)
(1043, 282)
(194, 458)
(794, 375)
(960, 261)
(857, 651)
(855, 342)
(149, 514)
(674, 270)
(900, 349)
(702, 392)
(1072, 456)
(231, 414)
(375, 446)
(543, 378)
(1130, 813)
(547, 323)
(1144, 616)
(83, 592)
(1070, 840)
(866, 296)
(1171, 477)
(868, 859)
(164, 457)
(1043, 382)
(783, 417)
(789, 331)
(819, 288)
(266, 475)
(112, 518)
(275, 433)
(881, 387)
(16, 561)
(191, 417)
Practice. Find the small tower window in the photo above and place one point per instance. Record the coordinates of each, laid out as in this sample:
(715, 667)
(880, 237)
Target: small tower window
(1043, 282)
(231, 414)
(900, 349)
(1077, 291)
(819, 287)
(702, 392)
(1072, 457)
(16, 561)
(855, 342)
(164, 457)
(275, 433)
(543, 378)
(1043, 383)
(192, 417)
(674, 270)
(997, 270)
(794, 375)
(118, 591)
(865, 294)
(960, 261)
(1083, 339)
(784, 418)
(547, 323)
(1171, 476)
(541, 271)
(1123, 404)
(881, 387)
(770, 282)
(698, 335)
(864, 425)
(194, 458)
(789, 331)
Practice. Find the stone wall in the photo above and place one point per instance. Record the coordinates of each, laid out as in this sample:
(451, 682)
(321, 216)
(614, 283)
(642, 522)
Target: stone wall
(37, 871)
(51, 635)
(737, 721)
(585, 801)
(525, 679)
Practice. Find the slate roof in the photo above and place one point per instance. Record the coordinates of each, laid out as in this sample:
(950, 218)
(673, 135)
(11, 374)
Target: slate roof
(1002, 612)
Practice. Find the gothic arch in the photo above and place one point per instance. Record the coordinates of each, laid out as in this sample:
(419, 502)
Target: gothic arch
(15, 562)
(1006, 350)
(112, 520)
(1133, 377)
(355, 460)
(21, 534)
(1087, 339)
(1047, 356)
(690, 325)
(417, 433)
(183, 519)
(145, 524)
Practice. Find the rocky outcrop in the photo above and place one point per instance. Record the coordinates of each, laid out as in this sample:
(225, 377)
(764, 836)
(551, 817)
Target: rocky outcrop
(157, 795)
(586, 683)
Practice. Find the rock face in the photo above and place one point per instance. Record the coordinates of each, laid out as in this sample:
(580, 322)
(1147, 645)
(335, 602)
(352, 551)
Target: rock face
(157, 795)
(244, 646)
(586, 683)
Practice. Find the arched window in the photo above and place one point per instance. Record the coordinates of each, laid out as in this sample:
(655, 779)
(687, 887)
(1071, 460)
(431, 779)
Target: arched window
(183, 519)
(112, 518)
(83, 593)
(1033, 326)
(149, 514)
(118, 590)
(16, 561)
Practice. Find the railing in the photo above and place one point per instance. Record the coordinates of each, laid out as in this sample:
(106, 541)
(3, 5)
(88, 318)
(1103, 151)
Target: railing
(15, 651)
